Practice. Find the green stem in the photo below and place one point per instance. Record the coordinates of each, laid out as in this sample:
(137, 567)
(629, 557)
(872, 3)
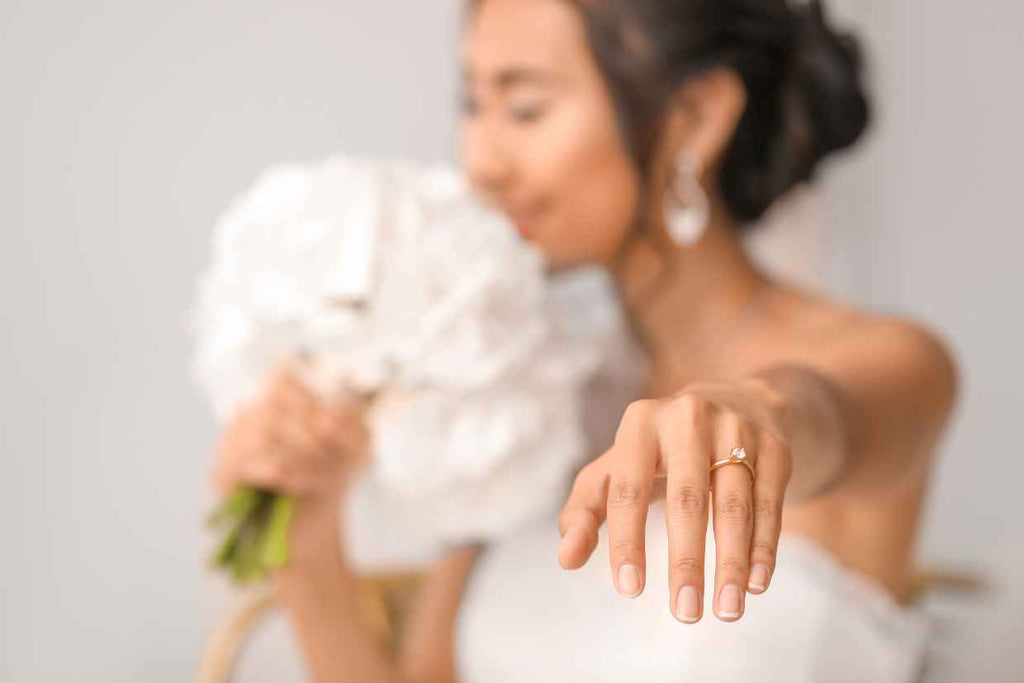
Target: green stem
(275, 535)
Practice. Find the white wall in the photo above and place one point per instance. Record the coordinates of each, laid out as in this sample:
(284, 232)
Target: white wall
(927, 220)
(126, 126)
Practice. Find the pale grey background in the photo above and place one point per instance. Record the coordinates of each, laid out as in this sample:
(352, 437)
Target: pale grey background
(125, 127)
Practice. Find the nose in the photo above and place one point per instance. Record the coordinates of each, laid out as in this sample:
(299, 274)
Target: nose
(485, 159)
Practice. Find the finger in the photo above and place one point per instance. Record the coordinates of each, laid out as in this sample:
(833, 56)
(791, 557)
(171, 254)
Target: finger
(632, 464)
(291, 395)
(342, 433)
(298, 440)
(685, 442)
(234, 442)
(266, 470)
(732, 498)
(276, 468)
(773, 472)
(267, 454)
(583, 514)
(221, 480)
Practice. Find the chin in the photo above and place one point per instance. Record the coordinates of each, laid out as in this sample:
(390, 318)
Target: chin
(560, 259)
(562, 251)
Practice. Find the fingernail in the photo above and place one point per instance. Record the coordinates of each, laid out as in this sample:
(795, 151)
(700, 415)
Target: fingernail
(688, 605)
(729, 602)
(758, 577)
(629, 581)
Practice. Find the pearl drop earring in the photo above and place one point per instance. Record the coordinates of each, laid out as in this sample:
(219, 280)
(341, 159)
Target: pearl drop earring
(686, 204)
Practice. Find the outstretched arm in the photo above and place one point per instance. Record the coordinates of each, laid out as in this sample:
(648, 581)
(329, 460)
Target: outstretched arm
(859, 416)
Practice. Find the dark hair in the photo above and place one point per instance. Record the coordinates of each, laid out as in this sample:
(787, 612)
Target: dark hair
(805, 97)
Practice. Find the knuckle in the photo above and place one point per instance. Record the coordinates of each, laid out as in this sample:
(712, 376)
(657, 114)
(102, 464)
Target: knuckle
(688, 565)
(775, 444)
(626, 547)
(640, 410)
(593, 473)
(732, 563)
(747, 430)
(637, 415)
(624, 494)
(688, 501)
(734, 425)
(778, 403)
(734, 507)
(585, 480)
(763, 549)
(691, 407)
(770, 441)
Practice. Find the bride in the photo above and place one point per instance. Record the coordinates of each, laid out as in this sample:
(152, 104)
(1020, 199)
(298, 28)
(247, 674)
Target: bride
(647, 135)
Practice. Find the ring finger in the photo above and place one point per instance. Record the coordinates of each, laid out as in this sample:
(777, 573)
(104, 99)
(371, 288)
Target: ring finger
(732, 497)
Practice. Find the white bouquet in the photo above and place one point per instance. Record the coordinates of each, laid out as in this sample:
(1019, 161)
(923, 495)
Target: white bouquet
(391, 280)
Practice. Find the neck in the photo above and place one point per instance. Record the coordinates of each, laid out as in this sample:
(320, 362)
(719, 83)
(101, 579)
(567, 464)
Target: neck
(686, 300)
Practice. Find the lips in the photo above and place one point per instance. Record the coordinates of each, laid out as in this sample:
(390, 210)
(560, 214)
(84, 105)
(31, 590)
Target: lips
(524, 218)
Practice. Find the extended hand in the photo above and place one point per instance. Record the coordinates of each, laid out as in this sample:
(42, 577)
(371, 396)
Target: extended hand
(677, 440)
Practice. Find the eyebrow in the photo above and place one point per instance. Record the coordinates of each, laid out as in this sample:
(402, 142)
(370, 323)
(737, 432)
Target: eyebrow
(510, 76)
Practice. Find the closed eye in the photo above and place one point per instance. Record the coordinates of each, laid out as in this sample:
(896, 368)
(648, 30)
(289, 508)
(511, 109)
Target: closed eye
(527, 114)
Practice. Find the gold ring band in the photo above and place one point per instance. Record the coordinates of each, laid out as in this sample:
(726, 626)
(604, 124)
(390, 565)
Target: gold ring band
(738, 456)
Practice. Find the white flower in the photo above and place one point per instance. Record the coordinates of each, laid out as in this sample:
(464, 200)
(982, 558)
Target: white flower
(393, 279)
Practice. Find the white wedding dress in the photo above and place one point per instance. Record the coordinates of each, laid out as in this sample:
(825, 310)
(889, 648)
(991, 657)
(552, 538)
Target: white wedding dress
(524, 618)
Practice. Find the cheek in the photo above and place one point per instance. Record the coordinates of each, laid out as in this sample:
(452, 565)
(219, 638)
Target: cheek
(598, 207)
(593, 194)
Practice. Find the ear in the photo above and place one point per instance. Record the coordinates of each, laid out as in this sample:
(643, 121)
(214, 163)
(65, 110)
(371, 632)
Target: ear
(708, 109)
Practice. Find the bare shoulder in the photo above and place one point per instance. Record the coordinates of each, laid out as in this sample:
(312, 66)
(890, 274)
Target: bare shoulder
(896, 349)
(895, 379)
(841, 335)
(897, 376)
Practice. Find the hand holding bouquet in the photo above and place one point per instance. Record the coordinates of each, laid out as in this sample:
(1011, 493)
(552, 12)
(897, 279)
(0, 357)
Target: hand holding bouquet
(388, 280)
(284, 446)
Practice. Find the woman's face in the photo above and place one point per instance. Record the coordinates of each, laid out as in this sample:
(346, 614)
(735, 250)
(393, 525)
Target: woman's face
(539, 138)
